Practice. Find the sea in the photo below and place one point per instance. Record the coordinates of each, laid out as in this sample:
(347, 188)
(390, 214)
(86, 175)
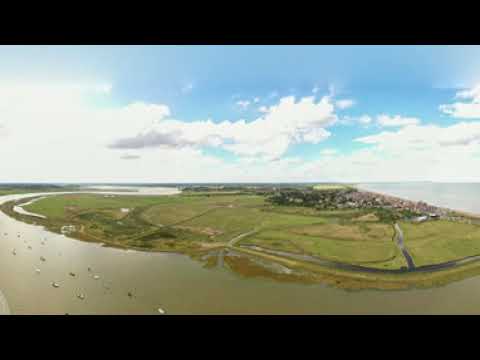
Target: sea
(457, 196)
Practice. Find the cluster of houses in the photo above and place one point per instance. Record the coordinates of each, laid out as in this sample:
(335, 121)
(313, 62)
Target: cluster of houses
(352, 198)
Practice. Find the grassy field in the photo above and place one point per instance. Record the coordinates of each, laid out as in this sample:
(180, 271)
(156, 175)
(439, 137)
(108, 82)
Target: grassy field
(368, 244)
(439, 241)
(184, 223)
(188, 223)
(197, 223)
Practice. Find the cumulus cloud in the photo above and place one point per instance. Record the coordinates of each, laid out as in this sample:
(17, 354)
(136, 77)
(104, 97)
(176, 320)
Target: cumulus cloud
(344, 103)
(151, 139)
(351, 120)
(426, 137)
(397, 120)
(268, 136)
(76, 140)
(416, 152)
(465, 110)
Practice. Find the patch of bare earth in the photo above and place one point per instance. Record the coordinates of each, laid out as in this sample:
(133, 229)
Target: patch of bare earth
(368, 217)
(202, 230)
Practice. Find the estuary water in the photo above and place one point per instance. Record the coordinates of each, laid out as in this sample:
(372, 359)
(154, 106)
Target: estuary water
(179, 285)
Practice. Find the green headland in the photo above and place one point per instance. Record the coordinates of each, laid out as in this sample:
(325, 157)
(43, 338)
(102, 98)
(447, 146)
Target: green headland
(333, 234)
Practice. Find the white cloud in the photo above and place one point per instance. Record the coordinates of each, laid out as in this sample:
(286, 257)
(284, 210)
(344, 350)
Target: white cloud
(464, 110)
(58, 134)
(351, 120)
(243, 104)
(315, 89)
(397, 120)
(269, 136)
(344, 103)
(263, 109)
(473, 93)
(256, 100)
(416, 152)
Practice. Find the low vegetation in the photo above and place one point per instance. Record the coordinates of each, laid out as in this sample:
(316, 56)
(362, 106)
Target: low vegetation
(441, 241)
(265, 224)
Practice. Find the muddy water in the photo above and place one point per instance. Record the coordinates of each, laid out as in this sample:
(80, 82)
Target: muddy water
(179, 285)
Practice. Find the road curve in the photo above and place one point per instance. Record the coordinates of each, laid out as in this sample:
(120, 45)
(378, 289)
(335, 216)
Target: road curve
(236, 239)
(401, 246)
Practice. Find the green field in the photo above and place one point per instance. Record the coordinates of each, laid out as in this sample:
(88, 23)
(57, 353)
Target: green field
(439, 241)
(200, 223)
(187, 223)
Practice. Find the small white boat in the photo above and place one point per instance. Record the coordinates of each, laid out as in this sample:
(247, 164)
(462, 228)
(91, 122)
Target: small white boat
(55, 285)
(81, 296)
(96, 277)
(161, 311)
(37, 271)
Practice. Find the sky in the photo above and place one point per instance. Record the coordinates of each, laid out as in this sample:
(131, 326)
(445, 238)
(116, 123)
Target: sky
(239, 113)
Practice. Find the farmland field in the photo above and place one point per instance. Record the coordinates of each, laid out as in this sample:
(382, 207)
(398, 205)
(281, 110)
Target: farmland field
(303, 238)
(191, 223)
(439, 241)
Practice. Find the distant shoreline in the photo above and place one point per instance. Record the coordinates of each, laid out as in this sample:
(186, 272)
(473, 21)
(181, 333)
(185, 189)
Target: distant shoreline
(460, 212)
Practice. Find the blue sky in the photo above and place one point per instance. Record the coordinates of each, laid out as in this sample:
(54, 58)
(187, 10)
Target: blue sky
(197, 84)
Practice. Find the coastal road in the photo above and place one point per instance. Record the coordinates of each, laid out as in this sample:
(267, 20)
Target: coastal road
(401, 245)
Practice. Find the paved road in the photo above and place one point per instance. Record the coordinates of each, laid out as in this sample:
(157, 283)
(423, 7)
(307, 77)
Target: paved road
(401, 246)
(236, 239)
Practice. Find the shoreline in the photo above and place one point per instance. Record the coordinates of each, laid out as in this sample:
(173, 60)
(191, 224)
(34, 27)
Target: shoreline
(353, 276)
(449, 209)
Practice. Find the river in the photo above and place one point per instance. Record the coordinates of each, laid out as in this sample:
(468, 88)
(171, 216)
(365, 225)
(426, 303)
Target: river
(179, 285)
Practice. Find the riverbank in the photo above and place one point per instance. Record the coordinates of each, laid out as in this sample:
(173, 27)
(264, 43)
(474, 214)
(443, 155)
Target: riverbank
(282, 235)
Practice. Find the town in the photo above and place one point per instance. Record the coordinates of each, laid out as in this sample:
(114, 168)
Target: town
(351, 198)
